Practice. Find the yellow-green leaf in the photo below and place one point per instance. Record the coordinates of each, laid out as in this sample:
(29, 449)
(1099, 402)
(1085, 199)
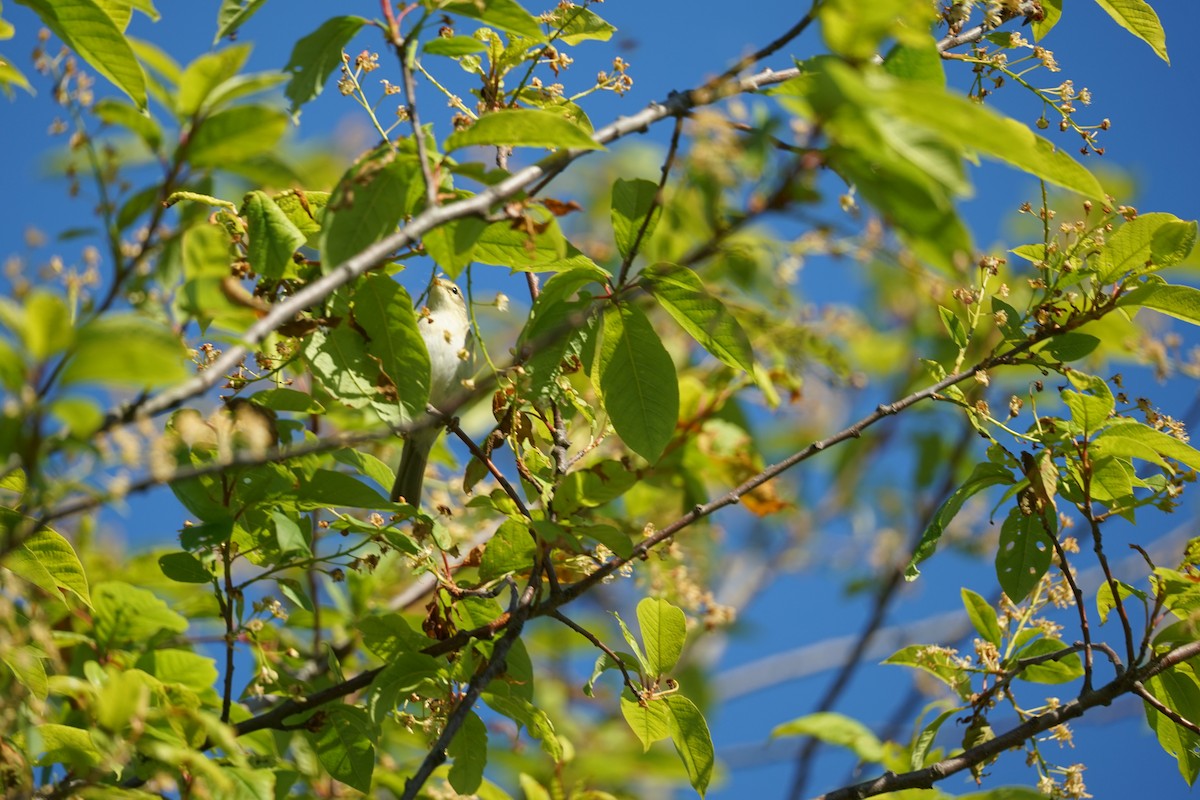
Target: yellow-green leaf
(1137, 17)
(523, 127)
(87, 29)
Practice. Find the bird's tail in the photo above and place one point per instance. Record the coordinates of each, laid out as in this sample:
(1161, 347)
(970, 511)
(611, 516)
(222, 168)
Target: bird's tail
(410, 475)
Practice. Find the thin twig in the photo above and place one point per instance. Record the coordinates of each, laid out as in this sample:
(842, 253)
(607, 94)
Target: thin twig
(627, 262)
(453, 426)
(767, 50)
(404, 52)
(883, 599)
(1065, 567)
(1157, 705)
(227, 604)
(608, 651)
(496, 664)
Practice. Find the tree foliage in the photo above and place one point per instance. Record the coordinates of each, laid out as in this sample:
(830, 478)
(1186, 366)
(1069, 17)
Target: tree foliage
(238, 334)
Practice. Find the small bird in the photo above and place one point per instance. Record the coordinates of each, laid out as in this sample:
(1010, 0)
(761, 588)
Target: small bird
(446, 330)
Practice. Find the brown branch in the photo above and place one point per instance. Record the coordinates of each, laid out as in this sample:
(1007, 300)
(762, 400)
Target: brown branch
(1065, 567)
(927, 777)
(1098, 548)
(227, 605)
(1157, 705)
(879, 608)
(404, 52)
(767, 50)
(453, 426)
(496, 664)
(608, 651)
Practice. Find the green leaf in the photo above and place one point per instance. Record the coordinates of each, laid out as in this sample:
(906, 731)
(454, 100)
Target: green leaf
(124, 349)
(273, 238)
(648, 722)
(535, 720)
(121, 11)
(293, 591)
(366, 464)
(142, 123)
(511, 549)
(664, 631)
(543, 250)
(452, 244)
(1181, 302)
(453, 46)
(953, 326)
(126, 614)
(982, 616)
(638, 382)
(1070, 346)
(236, 135)
(468, 748)
(406, 673)
(370, 200)
(27, 667)
(1089, 411)
(1064, 670)
(1024, 554)
(1178, 690)
(181, 667)
(63, 744)
(390, 635)
(507, 15)
(523, 127)
(289, 535)
(855, 29)
(1104, 597)
(835, 729)
(1149, 242)
(48, 326)
(1137, 17)
(593, 487)
(702, 315)
(985, 474)
(327, 488)
(338, 358)
(184, 567)
(577, 24)
(204, 74)
(692, 740)
(87, 29)
(344, 744)
(316, 56)
(632, 202)
(916, 62)
(926, 738)
(1051, 13)
(965, 124)
(48, 561)
(1157, 441)
(939, 662)
(384, 311)
(232, 15)
(560, 325)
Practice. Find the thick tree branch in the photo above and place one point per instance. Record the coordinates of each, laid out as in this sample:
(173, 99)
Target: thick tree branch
(477, 205)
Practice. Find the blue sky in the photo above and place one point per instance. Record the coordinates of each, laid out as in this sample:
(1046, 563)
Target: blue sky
(675, 45)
